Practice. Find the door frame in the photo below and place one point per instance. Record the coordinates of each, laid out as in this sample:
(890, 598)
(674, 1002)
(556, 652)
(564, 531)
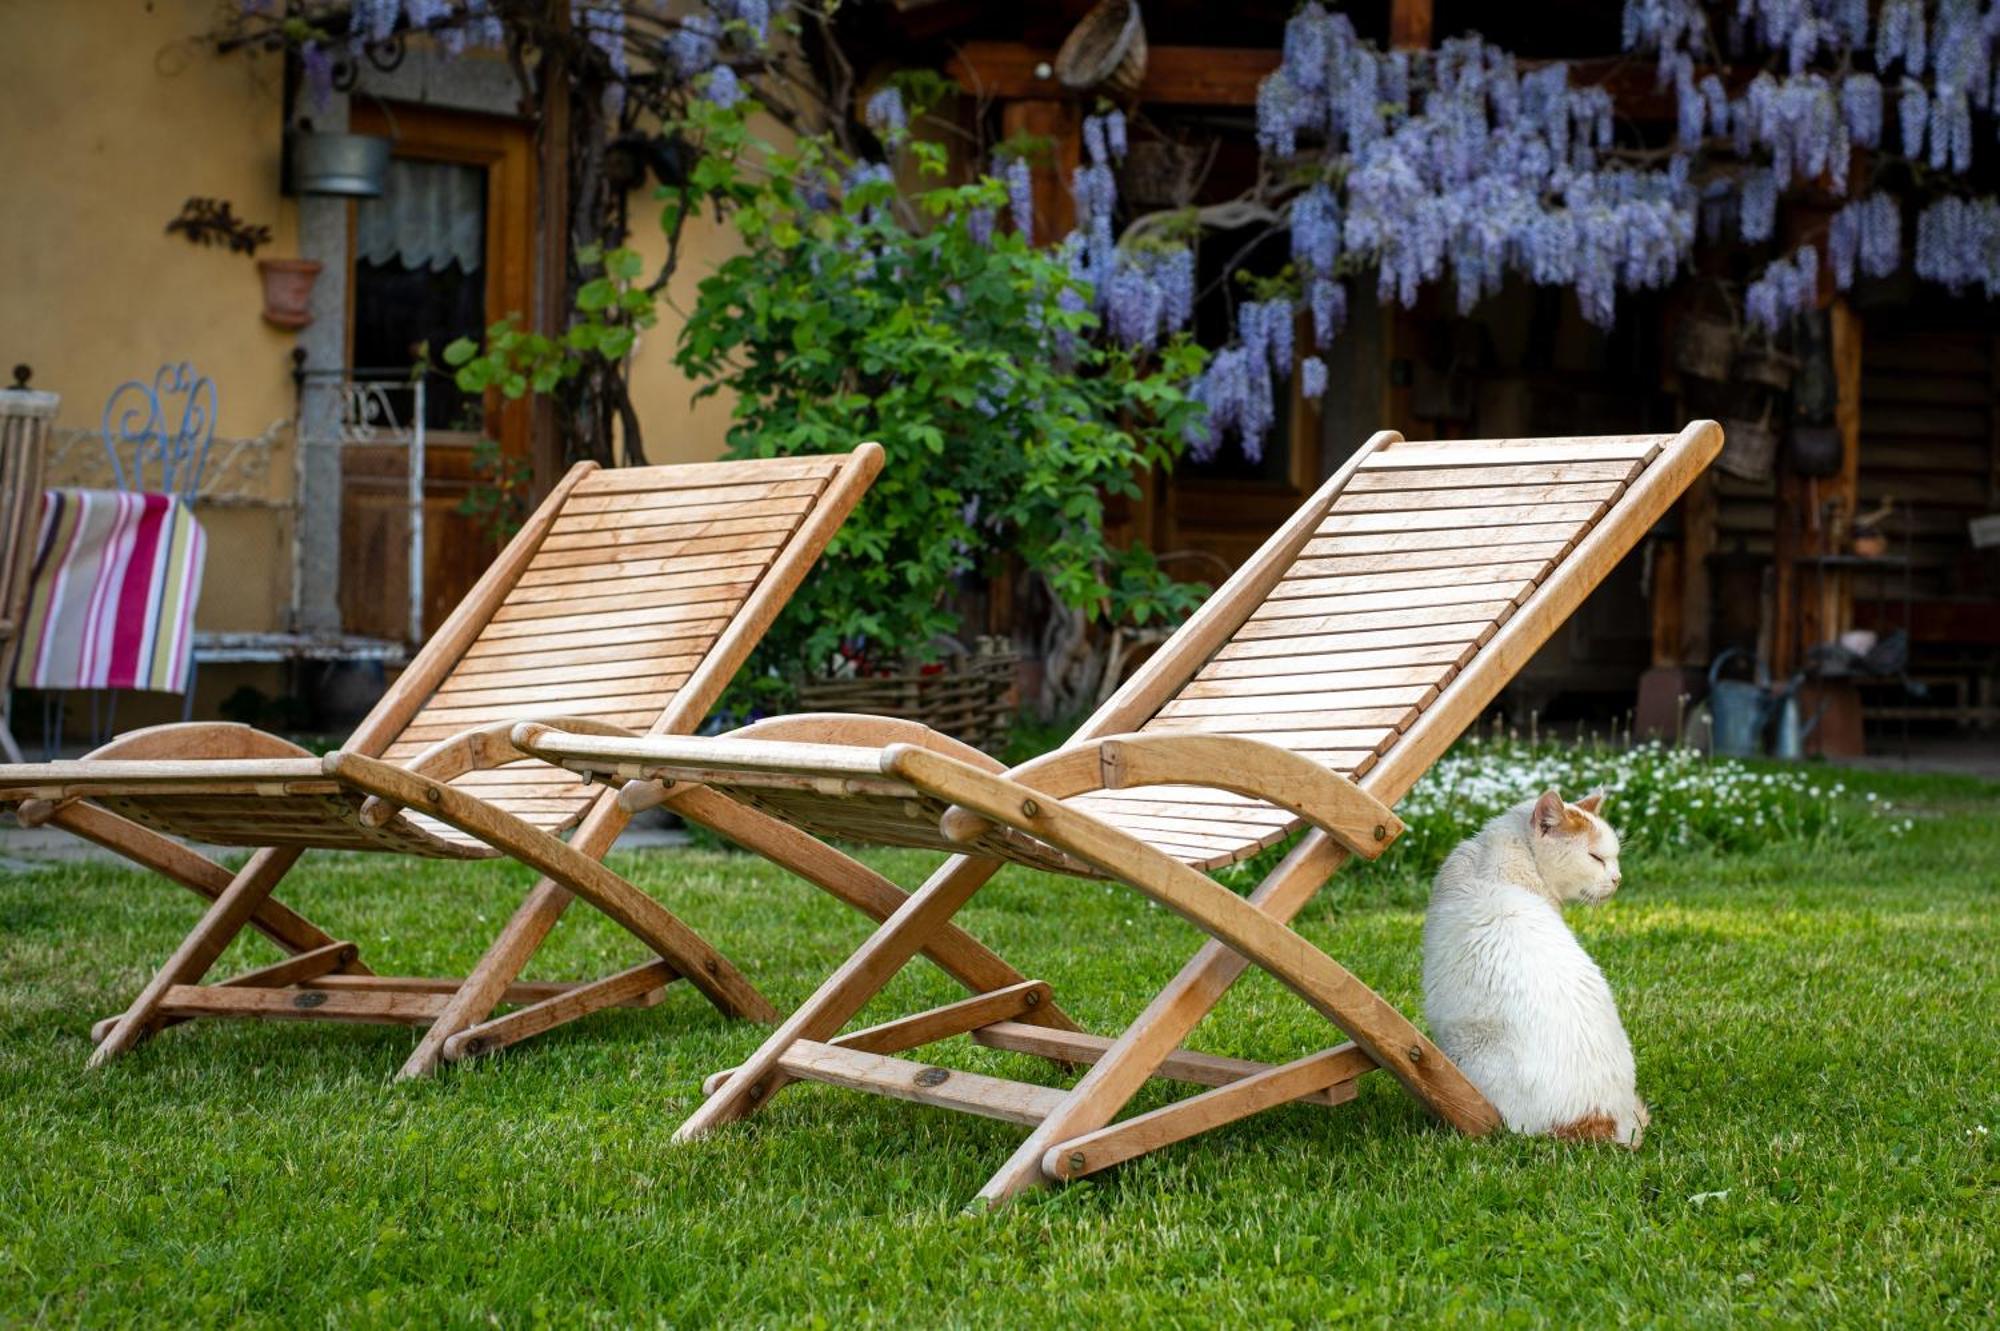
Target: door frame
(504, 146)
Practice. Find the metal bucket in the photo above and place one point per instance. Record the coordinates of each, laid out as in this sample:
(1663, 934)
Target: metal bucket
(1739, 710)
(351, 164)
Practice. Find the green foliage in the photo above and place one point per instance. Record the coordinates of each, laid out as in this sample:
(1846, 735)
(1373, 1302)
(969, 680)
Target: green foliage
(612, 309)
(858, 314)
(497, 500)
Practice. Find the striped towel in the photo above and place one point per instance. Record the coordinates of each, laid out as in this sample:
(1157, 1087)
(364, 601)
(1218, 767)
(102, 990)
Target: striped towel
(111, 604)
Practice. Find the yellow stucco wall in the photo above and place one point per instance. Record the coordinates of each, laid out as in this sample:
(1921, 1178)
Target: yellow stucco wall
(675, 428)
(111, 121)
(111, 116)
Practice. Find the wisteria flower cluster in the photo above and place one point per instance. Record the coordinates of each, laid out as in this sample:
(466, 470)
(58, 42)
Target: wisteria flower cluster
(1958, 245)
(1866, 234)
(1842, 69)
(1786, 287)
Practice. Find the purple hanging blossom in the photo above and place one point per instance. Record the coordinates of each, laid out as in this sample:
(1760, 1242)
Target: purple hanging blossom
(723, 88)
(1899, 35)
(603, 26)
(1021, 197)
(318, 64)
(979, 225)
(1760, 207)
(692, 47)
(1114, 133)
(1312, 378)
(1958, 245)
(372, 20)
(1951, 132)
(1304, 58)
(1861, 109)
(1328, 301)
(1787, 287)
(1865, 236)
(1281, 113)
(885, 112)
(1912, 110)
(754, 15)
(1316, 230)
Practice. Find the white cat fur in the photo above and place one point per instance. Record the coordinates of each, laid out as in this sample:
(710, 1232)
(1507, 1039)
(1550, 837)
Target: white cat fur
(1511, 995)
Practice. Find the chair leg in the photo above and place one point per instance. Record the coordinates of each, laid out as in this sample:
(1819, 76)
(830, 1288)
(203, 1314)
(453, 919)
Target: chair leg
(475, 999)
(224, 919)
(956, 952)
(573, 866)
(1167, 1021)
(846, 991)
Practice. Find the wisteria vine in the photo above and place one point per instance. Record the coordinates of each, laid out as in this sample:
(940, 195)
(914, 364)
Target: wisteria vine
(1464, 165)
(1460, 166)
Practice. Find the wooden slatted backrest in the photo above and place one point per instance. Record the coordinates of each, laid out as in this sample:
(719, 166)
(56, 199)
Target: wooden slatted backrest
(1381, 621)
(631, 597)
(24, 426)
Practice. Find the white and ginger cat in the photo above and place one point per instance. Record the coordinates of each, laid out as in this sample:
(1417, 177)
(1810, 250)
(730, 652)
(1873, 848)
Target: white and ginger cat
(1510, 994)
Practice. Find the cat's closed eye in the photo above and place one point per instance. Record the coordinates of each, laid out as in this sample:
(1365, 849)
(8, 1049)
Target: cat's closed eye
(1595, 856)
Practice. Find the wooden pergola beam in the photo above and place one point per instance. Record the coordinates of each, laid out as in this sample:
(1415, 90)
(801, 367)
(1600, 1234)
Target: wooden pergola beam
(1228, 76)
(1175, 75)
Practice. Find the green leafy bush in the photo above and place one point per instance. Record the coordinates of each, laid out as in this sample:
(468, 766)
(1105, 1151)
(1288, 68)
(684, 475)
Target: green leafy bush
(857, 313)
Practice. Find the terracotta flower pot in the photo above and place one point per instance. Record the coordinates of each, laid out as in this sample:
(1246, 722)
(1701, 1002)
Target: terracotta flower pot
(288, 285)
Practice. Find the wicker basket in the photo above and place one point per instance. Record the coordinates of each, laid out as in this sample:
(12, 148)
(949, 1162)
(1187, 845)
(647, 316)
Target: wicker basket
(1106, 51)
(970, 699)
(1748, 448)
(1705, 348)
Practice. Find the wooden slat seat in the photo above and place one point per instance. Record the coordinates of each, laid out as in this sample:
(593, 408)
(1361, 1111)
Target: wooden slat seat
(1345, 652)
(628, 599)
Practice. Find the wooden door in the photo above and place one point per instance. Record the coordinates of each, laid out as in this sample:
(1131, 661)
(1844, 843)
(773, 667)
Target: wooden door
(453, 274)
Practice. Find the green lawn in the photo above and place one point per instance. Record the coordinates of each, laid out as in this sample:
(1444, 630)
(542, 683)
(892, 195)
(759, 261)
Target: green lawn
(1814, 1024)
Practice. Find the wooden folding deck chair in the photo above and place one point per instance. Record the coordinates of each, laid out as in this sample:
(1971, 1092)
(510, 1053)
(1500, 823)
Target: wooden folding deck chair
(627, 601)
(1312, 689)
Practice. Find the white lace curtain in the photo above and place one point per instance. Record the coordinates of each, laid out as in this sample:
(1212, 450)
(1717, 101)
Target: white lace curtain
(430, 215)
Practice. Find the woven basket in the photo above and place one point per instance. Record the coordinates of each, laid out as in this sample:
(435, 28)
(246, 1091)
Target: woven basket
(1705, 348)
(971, 699)
(1748, 448)
(1106, 51)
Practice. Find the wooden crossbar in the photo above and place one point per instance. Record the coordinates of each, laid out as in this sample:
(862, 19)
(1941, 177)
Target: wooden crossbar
(1331, 1075)
(381, 1008)
(991, 1097)
(1082, 1049)
(640, 986)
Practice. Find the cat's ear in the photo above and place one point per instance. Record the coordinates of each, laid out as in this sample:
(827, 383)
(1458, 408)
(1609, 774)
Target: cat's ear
(1547, 815)
(1592, 802)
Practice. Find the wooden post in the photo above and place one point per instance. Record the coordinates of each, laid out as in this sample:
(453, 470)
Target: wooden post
(1410, 23)
(1669, 603)
(1697, 544)
(552, 233)
(1844, 489)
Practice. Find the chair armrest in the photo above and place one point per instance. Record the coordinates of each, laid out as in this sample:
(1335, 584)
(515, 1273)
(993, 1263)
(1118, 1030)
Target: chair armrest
(182, 741)
(1324, 798)
(475, 750)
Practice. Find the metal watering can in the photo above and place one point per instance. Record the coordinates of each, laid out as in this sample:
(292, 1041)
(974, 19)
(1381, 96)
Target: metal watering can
(1740, 709)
